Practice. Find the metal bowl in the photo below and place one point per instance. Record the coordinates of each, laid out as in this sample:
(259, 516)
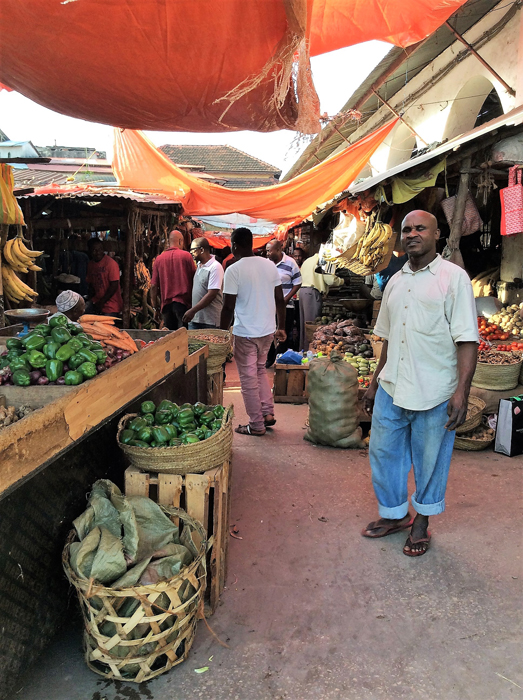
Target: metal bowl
(27, 315)
(356, 305)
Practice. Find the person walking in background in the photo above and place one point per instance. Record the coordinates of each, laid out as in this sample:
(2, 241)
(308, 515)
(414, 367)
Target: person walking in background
(291, 282)
(207, 296)
(314, 287)
(103, 279)
(173, 272)
(419, 392)
(299, 256)
(253, 295)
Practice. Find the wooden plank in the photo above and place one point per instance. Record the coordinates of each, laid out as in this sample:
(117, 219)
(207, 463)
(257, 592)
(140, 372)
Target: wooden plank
(193, 359)
(197, 498)
(215, 388)
(295, 383)
(290, 399)
(29, 443)
(280, 382)
(33, 396)
(170, 489)
(291, 367)
(136, 482)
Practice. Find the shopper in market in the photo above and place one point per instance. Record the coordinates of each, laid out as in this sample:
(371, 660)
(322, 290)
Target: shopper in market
(173, 273)
(103, 278)
(291, 282)
(69, 304)
(315, 286)
(253, 294)
(419, 393)
(207, 296)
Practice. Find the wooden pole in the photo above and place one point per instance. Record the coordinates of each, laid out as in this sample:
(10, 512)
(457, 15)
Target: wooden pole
(128, 272)
(29, 224)
(4, 232)
(397, 114)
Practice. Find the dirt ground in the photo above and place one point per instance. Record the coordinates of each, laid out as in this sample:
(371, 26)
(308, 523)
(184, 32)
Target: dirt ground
(312, 611)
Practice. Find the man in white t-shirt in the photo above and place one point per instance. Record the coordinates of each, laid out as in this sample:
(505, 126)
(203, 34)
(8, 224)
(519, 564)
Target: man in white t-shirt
(252, 291)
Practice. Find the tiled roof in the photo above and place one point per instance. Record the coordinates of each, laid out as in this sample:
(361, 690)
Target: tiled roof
(241, 184)
(218, 159)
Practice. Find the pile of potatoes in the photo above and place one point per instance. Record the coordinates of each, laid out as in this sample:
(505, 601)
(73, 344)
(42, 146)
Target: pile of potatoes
(9, 414)
(510, 319)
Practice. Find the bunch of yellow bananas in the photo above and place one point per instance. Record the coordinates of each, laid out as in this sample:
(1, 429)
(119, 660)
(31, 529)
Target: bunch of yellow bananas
(18, 258)
(373, 246)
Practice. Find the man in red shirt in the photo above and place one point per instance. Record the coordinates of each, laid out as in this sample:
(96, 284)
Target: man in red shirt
(103, 278)
(173, 273)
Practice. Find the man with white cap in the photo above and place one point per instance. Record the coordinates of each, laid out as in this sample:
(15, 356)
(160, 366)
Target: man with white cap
(70, 304)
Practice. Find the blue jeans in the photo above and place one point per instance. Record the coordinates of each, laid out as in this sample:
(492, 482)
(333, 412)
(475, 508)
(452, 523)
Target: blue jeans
(195, 326)
(401, 439)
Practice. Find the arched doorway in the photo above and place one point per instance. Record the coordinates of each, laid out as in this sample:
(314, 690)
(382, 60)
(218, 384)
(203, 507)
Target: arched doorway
(468, 107)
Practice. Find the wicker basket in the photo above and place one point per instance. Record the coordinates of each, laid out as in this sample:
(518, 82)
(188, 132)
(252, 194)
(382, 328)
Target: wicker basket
(217, 351)
(496, 377)
(471, 444)
(158, 622)
(476, 416)
(183, 459)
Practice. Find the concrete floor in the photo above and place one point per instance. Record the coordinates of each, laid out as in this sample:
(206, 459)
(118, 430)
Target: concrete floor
(313, 611)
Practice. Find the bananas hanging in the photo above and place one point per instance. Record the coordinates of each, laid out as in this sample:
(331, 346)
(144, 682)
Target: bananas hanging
(373, 247)
(18, 258)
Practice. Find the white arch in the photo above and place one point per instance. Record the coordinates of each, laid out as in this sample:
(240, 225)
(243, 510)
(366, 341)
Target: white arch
(466, 105)
(402, 144)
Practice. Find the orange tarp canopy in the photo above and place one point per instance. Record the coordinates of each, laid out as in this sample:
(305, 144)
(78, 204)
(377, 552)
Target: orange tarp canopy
(139, 165)
(169, 64)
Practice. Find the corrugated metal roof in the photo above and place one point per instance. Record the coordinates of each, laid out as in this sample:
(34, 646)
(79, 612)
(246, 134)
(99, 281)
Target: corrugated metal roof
(93, 192)
(40, 178)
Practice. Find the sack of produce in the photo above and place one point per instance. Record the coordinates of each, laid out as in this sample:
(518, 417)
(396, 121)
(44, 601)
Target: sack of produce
(140, 580)
(333, 403)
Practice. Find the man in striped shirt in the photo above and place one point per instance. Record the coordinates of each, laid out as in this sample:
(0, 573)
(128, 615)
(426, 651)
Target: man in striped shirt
(290, 281)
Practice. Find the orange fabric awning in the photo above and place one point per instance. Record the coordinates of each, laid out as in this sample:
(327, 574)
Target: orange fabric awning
(138, 164)
(169, 64)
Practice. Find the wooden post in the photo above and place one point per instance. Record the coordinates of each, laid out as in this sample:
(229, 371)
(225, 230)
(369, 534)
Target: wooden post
(128, 274)
(459, 212)
(511, 257)
(4, 232)
(29, 224)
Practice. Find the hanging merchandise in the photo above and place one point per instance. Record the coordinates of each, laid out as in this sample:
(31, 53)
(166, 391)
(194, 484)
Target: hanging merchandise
(472, 220)
(406, 188)
(512, 204)
(10, 212)
(138, 164)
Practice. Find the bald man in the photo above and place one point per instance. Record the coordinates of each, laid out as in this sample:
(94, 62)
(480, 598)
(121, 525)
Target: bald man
(173, 273)
(418, 395)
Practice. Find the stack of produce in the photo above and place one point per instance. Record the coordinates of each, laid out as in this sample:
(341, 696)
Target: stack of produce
(54, 353)
(363, 366)
(137, 313)
(327, 318)
(491, 331)
(173, 425)
(18, 258)
(102, 328)
(491, 357)
(342, 336)
(9, 414)
(509, 319)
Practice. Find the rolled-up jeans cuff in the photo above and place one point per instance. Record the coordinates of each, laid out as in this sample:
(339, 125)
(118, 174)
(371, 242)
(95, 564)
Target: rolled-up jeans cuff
(396, 513)
(428, 508)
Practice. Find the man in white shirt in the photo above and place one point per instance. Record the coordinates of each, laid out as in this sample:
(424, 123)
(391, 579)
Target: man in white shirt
(419, 393)
(314, 287)
(207, 297)
(253, 294)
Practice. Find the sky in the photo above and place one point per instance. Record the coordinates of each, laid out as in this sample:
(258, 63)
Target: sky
(336, 76)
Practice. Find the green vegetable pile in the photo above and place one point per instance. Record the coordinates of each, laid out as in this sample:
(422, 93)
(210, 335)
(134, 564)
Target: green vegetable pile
(171, 425)
(55, 353)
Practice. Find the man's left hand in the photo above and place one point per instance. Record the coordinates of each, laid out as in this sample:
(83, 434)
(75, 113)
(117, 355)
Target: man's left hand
(456, 410)
(280, 336)
(188, 316)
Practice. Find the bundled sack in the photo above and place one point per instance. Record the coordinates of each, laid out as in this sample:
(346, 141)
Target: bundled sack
(333, 403)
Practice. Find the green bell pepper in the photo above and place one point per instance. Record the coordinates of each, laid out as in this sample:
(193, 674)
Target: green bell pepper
(50, 349)
(173, 433)
(216, 425)
(185, 416)
(153, 443)
(36, 359)
(200, 433)
(19, 363)
(190, 438)
(185, 406)
(175, 442)
(208, 434)
(87, 355)
(60, 335)
(137, 424)
(94, 345)
(218, 411)
(53, 369)
(44, 329)
(175, 410)
(139, 443)
(65, 353)
(86, 343)
(145, 434)
(190, 427)
(75, 361)
(21, 377)
(88, 370)
(127, 436)
(147, 407)
(101, 356)
(3, 362)
(34, 341)
(59, 320)
(13, 354)
(73, 330)
(163, 417)
(14, 344)
(75, 344)
(160, 434)
(148, 418)
(176, 425)
(199, 409)
(165, 405)
(207, 418)
(73, 378)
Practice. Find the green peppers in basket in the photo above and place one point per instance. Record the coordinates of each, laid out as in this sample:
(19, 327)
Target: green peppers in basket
(218, 411)
(160, 434)
(162, 417)
(147, 407)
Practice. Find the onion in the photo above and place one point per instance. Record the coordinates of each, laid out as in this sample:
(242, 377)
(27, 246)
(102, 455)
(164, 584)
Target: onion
(100, 368)
(4, 354)
(60, 380)
(51, 384)
(35, 376)
(119, 353)
(125, 354)
(66, 367)
(8, 381)
(42, 381)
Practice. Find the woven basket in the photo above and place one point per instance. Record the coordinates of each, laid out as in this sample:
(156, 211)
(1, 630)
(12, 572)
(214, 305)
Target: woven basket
(217, 351)
(476, 417)
(496, 377)
(156, 634)
(183, 459)
(471, 444)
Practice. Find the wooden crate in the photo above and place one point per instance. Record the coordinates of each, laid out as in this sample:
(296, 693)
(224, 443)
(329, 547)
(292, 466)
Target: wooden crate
(215, 388)
(205, 497)
(290, 383)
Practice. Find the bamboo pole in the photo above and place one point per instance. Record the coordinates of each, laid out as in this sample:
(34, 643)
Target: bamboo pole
(4, 232)
(459, 213)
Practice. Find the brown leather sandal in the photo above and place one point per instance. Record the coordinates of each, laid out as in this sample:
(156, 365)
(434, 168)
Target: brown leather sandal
(247, 430)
